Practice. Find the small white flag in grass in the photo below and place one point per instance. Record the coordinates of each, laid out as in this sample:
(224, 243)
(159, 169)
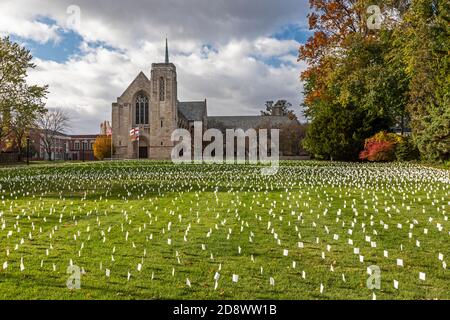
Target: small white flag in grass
(386, 254)
(355, 250)
(300, 245)
(235, 278)
(217, 276)
(294, 264)
(361, 259)
(272, 281)
(139, 267)
(285, 252)
(22, 266)
(5, 265)
(169, 242)
(395, 284)
(303, 275)
(321, 288)
(400, 262)
(422, 276)
(108, 272)
(441, 257)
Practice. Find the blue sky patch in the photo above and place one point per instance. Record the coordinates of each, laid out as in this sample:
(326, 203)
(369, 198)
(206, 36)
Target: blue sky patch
(293, 32)
(60, 52)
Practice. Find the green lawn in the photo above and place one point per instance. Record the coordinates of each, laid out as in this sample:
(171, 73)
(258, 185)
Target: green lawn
(226, 219)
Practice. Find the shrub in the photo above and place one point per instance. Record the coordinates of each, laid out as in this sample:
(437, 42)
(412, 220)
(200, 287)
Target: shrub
(381, 147)
(378, 151)
(102, 147)
(407, 151)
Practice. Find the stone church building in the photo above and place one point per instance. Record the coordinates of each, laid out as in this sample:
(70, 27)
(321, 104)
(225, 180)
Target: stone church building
(152, 105)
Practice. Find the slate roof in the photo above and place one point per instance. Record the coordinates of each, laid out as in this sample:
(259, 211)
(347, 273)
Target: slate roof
(248, 122)
(193, 110)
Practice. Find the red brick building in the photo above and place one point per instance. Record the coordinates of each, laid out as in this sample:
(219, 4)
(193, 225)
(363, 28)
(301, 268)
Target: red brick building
(66, 147)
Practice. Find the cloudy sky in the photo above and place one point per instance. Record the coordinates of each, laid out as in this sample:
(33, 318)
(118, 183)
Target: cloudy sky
(235, 53)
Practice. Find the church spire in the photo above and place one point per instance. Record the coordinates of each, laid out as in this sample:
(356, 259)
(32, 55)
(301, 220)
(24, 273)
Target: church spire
(167, 52)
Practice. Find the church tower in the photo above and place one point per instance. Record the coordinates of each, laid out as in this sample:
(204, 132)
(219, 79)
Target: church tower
(163, 106)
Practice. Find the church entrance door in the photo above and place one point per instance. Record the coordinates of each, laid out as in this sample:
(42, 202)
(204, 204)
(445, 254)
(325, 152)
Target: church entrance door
(143, 152)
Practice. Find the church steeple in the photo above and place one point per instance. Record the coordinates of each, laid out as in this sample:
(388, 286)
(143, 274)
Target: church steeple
(167, 52)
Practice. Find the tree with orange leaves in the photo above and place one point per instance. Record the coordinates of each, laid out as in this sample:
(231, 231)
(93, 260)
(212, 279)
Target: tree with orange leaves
(102, 147)
(349, 87)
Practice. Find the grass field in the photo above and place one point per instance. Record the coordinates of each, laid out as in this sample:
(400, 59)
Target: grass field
(155, 228)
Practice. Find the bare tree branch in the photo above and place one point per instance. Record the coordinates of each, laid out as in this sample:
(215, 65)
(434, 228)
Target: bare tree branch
(52, 124)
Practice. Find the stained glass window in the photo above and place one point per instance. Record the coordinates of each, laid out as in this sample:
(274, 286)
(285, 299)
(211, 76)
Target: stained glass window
(141, 109)
(162, 89)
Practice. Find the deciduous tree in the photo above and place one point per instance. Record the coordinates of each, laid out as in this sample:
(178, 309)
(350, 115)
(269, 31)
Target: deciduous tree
(102, 147)
(20, 103)
(51, 124)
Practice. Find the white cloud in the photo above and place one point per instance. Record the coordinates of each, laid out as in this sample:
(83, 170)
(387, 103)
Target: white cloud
(17, 21)
(270, 47)
(219, 48)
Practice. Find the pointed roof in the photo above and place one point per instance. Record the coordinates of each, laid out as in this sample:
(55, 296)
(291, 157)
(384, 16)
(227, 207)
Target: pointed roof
(141, 77)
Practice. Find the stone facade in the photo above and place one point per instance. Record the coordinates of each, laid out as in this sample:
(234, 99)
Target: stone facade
(152, 106)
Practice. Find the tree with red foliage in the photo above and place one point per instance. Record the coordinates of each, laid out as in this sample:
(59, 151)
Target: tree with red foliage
(378, 151)
(381, 147)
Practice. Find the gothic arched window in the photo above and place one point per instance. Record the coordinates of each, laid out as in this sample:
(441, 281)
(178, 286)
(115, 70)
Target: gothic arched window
(141, 109)
(162, 89)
